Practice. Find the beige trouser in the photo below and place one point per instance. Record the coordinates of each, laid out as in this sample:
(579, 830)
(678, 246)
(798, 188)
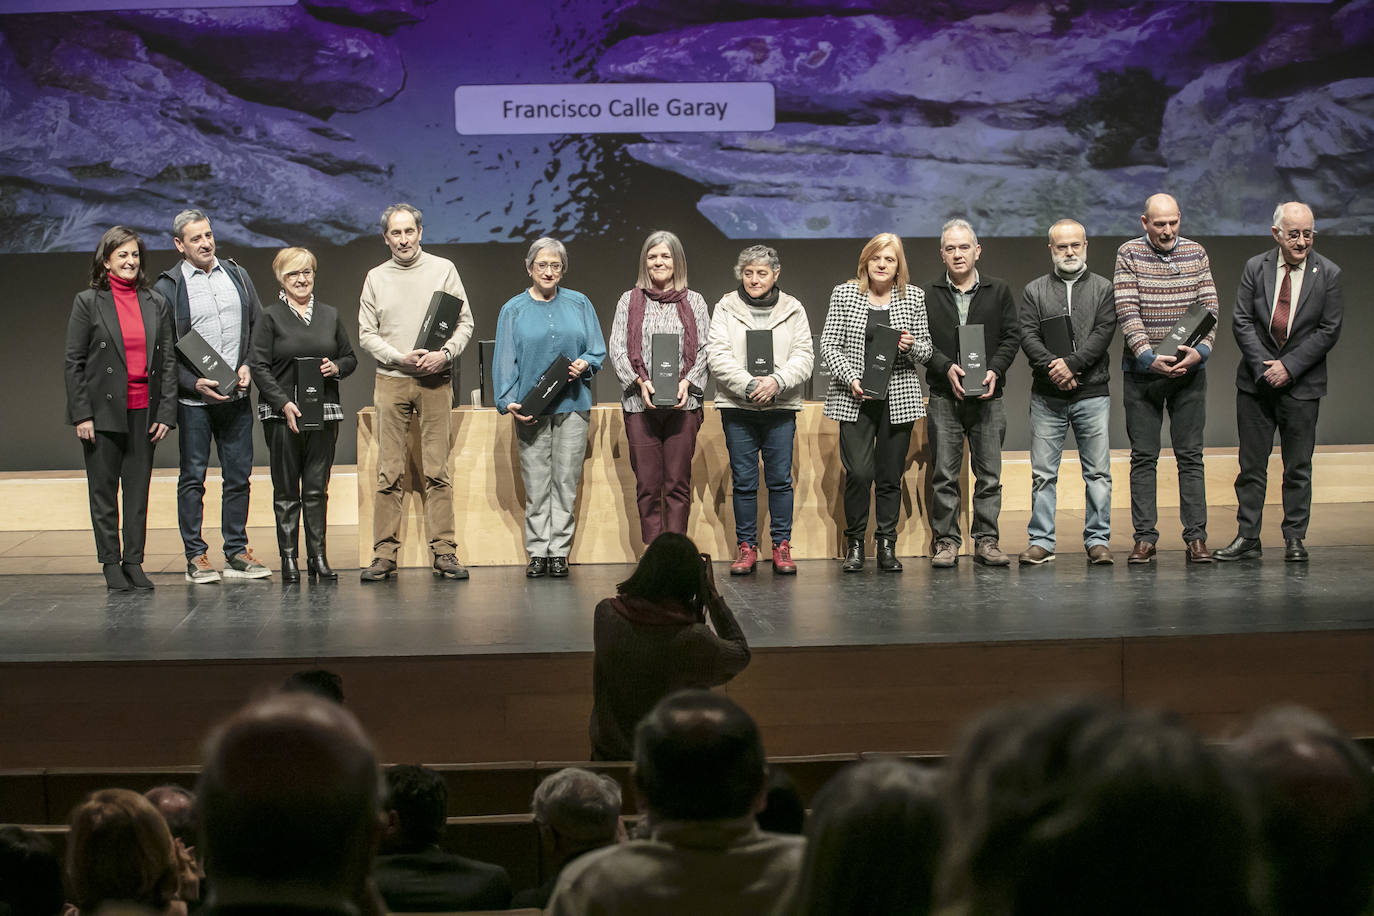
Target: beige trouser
(397, 400)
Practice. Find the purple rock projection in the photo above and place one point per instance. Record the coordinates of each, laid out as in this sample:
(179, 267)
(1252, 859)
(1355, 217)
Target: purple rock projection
(298, 124)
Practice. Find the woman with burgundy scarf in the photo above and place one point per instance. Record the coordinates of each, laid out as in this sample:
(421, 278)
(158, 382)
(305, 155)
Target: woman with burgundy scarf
(121, 397)
(662, 439)
(652, 639)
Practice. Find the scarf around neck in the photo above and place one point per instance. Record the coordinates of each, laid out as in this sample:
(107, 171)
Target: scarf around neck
(766, 301)
(634, 329)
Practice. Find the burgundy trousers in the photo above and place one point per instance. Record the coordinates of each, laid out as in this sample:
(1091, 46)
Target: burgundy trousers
(662, 442)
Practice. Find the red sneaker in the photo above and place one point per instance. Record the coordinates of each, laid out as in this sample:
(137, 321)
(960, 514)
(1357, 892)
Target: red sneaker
(782, 559)
(744, 560)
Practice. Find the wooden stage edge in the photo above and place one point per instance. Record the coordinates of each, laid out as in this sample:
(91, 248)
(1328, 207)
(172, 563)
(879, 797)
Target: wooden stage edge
(481, 708)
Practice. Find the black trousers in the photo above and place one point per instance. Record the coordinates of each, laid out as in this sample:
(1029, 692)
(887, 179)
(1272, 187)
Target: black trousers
(301, 464)
(115, 462)
(1257, 416)
(873, 452)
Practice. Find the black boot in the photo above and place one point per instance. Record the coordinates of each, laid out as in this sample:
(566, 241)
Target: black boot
(114, 578)
(319, 567)
(887, 555)
(289, 571)
(853, 555)
(134, 573)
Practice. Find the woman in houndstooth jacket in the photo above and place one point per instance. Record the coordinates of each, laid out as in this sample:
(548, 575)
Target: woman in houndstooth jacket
(874, 434)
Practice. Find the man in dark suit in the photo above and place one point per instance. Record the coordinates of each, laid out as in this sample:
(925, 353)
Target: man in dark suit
(413, 874)
(1288, 316)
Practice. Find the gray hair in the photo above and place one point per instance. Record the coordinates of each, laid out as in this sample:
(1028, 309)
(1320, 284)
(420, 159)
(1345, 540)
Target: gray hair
(186, 218)
(579, 804)
(663, 237)
(392, 210)
(957, 223)
(539, 245)
(1060, 224)
(755, 253)
(1278, 214)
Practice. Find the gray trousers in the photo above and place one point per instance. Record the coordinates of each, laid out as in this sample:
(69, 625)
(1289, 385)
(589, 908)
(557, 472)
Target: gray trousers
(551, 453)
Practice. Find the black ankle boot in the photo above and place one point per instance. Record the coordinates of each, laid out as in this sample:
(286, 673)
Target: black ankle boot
(319, 567)
(289, 571)
(114, 577)
(133, 572)
(887, 555)
(853, 555)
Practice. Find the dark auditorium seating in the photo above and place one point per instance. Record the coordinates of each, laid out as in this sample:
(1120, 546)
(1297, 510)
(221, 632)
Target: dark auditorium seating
(508, 840)
(65, 787)
(21, 797)
(487, 788)
(810, 772)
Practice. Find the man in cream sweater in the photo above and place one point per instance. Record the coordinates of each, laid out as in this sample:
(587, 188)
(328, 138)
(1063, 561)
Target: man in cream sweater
(411, 382)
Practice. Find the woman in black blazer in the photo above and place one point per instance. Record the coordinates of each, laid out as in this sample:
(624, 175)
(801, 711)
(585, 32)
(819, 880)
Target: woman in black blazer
(121, 397)
(293, 328)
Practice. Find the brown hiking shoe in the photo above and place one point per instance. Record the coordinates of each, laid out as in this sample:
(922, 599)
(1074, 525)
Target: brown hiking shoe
(987, 552)
(380, 570)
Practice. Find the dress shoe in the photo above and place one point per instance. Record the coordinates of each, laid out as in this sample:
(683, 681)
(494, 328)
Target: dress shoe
(446, 566)
(989, 553)
(946, 554)
(783, 564)
(1100, 555)
(1198, 552)
(853, 555)
(1242, 548)
(1143, 552)
(114, 578)
(134, 573)
(1293, 551)
(537, 568)
(318, 567)
(290, 572)
(558, 567)
(745, 558)
(1034, 555)
(887, 555)
(380, 570)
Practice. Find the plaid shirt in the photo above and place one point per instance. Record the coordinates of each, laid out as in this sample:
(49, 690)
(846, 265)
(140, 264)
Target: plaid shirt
(842, 346)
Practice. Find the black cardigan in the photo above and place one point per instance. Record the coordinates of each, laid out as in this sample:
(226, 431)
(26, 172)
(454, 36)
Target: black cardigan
(279, 337)
(993, 308)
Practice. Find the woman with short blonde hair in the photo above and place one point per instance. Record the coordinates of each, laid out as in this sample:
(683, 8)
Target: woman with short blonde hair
(119, 850)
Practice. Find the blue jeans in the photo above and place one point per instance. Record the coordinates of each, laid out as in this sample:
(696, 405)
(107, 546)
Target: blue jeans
(231, 427)
(747, 434)
(984, 423)
(1050, 420)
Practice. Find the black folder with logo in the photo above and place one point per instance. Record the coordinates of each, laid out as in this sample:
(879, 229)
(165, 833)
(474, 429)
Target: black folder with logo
(1188, 331)
(666, 369)
(1057, 333)
(309, 392)
(973, 358)
(547, 387)
(486, 360)
(879, 356)
(758, 348)
(440, 321)
(208, 364)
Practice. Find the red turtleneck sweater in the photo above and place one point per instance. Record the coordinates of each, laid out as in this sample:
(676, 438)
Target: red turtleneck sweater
(135, 340)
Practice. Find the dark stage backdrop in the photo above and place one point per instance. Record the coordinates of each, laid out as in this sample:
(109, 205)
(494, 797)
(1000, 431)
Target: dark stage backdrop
(38, 290)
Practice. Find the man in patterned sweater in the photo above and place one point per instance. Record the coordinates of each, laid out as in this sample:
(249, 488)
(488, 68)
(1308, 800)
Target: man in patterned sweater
(1158, 278)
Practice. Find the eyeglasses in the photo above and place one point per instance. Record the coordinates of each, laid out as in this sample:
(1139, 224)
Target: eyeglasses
(305, 273)
(552, 267)
(1293, 234)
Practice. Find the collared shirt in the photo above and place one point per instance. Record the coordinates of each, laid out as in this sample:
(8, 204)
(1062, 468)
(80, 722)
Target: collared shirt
(962, 299)
(216, 313)
(1294, 288)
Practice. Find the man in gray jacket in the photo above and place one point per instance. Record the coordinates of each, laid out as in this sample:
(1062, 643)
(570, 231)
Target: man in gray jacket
(1068, 317)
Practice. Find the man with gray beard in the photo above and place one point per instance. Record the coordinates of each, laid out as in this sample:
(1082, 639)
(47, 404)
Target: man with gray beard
(1071, 372)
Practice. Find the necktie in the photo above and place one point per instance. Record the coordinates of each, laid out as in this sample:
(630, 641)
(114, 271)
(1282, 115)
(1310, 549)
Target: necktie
(1279, 325)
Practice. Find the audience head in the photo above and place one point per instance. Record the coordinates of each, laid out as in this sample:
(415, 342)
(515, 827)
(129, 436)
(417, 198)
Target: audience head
(670, 570)
(177, 805)
(417, 808)
(873, 842)
(318, 682)
(30, 875)
(289, 803)
(783, 808)
(577, 810)
(698, 757)
(119, 850)
(1315, 792)
(1076, 806)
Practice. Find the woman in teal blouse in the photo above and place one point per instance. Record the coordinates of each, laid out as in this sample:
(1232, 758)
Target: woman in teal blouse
(535, 328)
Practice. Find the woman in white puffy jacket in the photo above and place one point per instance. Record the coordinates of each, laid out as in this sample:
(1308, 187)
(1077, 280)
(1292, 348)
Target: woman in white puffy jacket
(758, 403)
